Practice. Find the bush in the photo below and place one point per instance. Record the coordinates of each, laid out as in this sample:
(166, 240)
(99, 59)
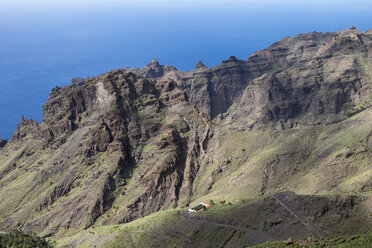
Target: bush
(17, 239)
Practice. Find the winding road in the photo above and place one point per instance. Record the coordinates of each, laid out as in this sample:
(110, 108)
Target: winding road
(280, 197)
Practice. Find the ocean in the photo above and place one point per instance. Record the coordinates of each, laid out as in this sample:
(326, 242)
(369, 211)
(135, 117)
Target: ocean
(44, 45)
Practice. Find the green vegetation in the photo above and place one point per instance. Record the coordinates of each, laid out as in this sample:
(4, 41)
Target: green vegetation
(112, 236)
(138, 228)
(171, 228)
(18, 239)
(352, 108)
(355, 241)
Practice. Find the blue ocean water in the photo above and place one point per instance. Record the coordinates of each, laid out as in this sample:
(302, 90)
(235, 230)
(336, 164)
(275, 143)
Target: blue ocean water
(45, 45)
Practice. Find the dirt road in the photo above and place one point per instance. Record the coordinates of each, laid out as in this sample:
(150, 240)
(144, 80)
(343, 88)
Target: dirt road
(280, 197)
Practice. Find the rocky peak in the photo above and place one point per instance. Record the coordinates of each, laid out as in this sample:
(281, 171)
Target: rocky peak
(27, 122)
(199, 66)
(153, 63)
(231, 59)
(351, 32)
(352, 28)
(78, 81)
(154, 70)
(24, 128)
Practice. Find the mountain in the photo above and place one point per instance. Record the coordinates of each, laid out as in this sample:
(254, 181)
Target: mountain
(119, 157)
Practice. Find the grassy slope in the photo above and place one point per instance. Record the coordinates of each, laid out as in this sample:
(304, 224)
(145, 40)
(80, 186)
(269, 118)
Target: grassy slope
(342, 242)
(315, 160)
(172, 228)
(116, 235)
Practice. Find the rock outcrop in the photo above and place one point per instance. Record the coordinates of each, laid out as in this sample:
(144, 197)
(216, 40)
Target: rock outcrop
(24, 128)
(199, 66)
(77, 81)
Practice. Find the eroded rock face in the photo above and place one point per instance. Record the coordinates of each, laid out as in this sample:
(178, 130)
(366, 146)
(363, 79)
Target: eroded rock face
(317, 74)
(93, 140)
(211, 90)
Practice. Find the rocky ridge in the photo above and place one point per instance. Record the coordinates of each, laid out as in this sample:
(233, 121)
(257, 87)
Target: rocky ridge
(295, 81)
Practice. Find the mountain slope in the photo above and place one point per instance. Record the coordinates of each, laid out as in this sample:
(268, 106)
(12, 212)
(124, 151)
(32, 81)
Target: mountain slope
(117, 138)
(121, 146)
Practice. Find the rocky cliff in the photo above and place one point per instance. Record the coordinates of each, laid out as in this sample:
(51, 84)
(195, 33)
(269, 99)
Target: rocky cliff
(299, 80)
(131, 142)
(94, 139)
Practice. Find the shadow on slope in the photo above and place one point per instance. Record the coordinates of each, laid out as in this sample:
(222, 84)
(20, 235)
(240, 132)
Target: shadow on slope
(234, 225)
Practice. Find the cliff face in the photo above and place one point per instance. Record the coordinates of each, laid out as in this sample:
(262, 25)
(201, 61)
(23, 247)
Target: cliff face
(131, 142)
(212, 91)
(93, 141)
(296, 81)
(316, 75)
